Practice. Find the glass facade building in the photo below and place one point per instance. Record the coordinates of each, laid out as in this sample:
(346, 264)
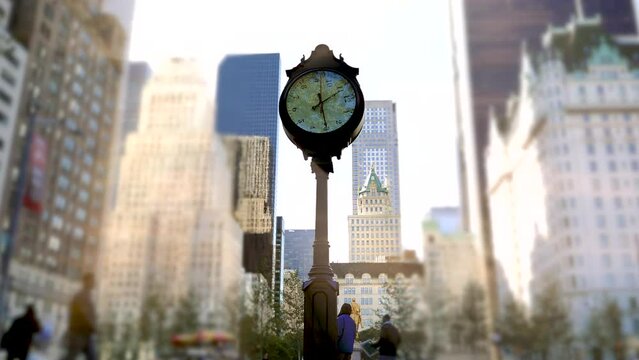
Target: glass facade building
(247, 98)
(298, 253)
(247, 106)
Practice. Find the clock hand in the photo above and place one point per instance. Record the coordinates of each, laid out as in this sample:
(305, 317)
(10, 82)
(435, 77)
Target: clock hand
(322, 101)
(323, 115)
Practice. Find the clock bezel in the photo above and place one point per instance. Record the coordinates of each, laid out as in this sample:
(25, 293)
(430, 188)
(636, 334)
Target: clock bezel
(326, 143)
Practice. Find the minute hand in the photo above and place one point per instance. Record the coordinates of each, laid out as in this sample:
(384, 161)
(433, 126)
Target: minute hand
(322, 101)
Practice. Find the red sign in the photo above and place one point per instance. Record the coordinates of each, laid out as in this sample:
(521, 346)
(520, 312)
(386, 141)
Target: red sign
(34, 194)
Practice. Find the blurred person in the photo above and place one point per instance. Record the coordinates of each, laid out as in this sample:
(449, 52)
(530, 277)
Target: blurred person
(82, 323)
(345, 333)
(389, 340)
(17, 340)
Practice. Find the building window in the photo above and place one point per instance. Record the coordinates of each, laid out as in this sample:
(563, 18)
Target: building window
(5, 98)
(601, 221)
(366, 279)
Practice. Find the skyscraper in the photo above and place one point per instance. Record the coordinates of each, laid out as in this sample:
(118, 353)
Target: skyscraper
(72, 81)
(298, 253)
(13, 66)
(137, 74)
(487, 37)
(172, 233)
(374, 231)
(376, 146)
(247, 106)
(563, 174)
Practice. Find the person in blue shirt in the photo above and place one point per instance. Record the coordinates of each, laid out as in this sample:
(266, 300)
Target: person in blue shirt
(345, 333)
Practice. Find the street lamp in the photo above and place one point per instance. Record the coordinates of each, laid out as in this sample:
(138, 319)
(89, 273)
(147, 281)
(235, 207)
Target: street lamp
(16, 203)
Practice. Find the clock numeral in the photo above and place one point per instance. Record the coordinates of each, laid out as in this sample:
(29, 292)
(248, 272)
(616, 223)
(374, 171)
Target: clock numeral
(295, 97)
(325, 128)
(300, 121)
(294, 109)
(338, 122)
(303, 86)
(349, 97)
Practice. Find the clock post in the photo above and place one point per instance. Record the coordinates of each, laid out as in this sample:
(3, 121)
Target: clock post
(321, 108)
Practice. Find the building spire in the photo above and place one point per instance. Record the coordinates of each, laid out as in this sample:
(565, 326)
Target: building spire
(579, 9)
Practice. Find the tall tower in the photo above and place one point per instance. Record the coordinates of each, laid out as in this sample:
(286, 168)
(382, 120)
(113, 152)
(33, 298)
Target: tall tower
(488, 43)
(298, 254)
(73, 76)
(375, 229)
(137, 74)
(13, 65)
(487, 39)
(376, 146)
(246, 111)
(562, 171)
(172, 233)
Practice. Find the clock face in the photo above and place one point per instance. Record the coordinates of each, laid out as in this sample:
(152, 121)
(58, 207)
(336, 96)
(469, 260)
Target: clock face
(321, 101)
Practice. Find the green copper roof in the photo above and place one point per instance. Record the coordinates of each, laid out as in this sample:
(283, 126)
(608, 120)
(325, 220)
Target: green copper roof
(372, 180)
(606, 54)
(583, 43)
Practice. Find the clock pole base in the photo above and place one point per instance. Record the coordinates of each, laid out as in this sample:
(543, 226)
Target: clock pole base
(320, 319)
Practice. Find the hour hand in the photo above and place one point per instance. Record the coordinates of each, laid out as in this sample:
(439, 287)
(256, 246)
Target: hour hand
(319, 101)
(323, 101)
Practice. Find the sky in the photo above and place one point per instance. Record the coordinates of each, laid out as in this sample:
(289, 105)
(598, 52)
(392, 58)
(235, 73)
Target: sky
(402, 50)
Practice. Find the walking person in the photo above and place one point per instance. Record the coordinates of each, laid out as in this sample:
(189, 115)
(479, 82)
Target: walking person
(82, 323)
(345, 333)
(17, 340)
(389, 340)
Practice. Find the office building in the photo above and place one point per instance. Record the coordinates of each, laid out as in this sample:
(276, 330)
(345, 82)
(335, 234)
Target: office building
(563, 174)
(444, 250)
(298, 254)
(13, 64)
(374, 231)
(172, 232)
(366, 283)
(486, 40)
(451, 264)
(72, 80)
(376, 146)
(137, 75)
(487, 37)
(247, 106)
(278, 262)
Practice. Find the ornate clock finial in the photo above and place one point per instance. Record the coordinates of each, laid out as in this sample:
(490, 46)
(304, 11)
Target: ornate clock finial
(303, 58)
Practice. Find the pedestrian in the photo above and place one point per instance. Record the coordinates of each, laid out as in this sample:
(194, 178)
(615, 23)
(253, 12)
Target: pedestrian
(82, 323)
(17, 340)
(389, 340)
(345, 333)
